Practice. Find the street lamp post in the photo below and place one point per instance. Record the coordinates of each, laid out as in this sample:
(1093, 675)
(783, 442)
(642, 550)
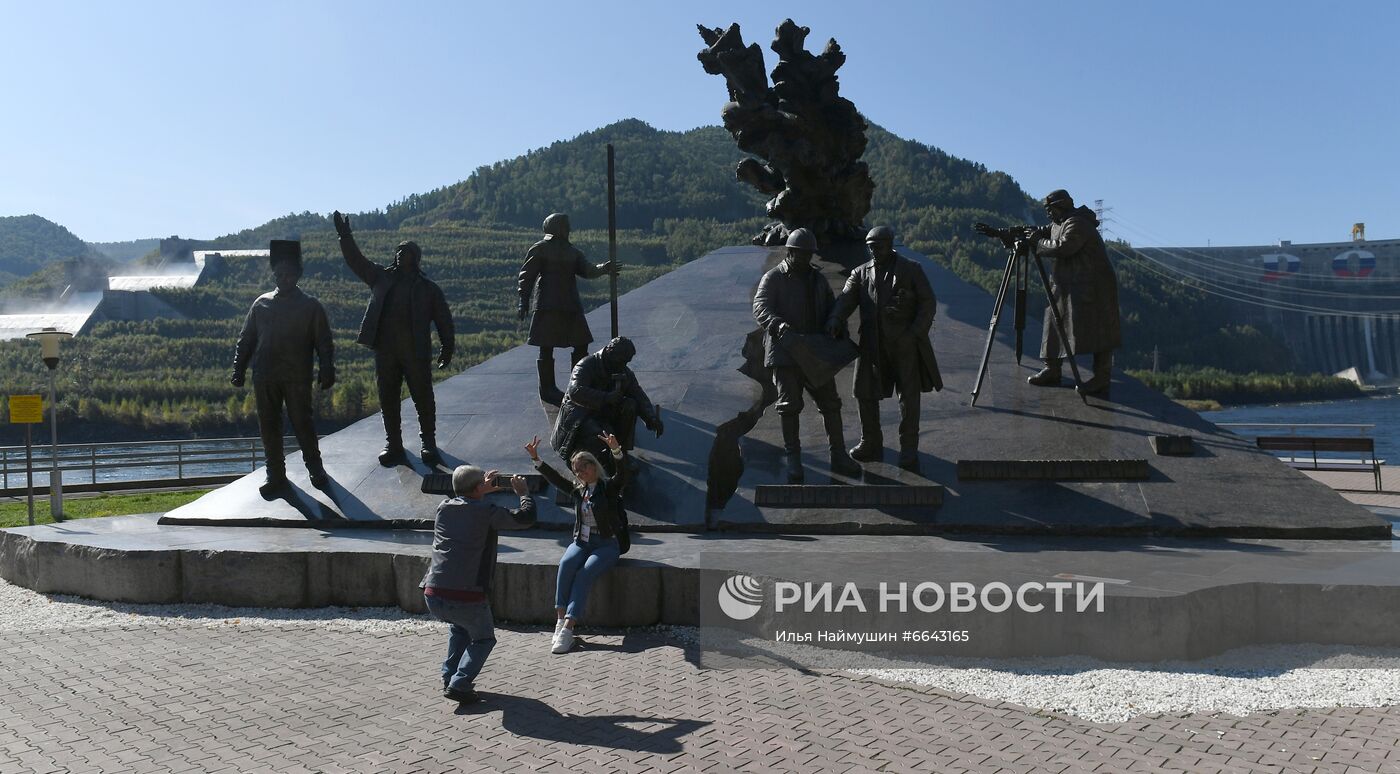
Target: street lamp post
(49, 339)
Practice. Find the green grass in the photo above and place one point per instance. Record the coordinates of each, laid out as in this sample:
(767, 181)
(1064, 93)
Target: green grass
(15, 513)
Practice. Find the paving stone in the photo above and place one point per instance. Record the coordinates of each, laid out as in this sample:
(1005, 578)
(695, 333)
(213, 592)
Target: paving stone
(297, 700)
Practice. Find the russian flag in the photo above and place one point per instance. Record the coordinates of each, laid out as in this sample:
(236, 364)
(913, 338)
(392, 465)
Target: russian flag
(1280, 265)
(1365, 263)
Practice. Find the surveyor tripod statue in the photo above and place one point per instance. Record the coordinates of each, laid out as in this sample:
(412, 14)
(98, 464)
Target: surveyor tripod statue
(1017, 275)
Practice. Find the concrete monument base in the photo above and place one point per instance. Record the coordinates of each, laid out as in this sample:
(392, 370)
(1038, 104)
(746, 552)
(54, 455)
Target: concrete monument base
(1164, 598)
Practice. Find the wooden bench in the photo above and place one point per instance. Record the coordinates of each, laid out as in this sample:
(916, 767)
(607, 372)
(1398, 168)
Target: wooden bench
(1313, 445)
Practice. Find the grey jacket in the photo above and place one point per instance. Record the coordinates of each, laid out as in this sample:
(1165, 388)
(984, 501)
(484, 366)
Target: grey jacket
(464, 541)
(281, 333)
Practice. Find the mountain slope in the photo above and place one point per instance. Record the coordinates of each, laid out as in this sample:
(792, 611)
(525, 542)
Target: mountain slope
(29, 243)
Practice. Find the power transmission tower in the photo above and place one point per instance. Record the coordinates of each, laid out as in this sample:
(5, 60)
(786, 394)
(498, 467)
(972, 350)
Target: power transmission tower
(1100, 211)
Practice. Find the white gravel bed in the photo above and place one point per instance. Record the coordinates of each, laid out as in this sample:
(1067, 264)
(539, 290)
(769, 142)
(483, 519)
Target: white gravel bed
(22, 610)
(1247, 680)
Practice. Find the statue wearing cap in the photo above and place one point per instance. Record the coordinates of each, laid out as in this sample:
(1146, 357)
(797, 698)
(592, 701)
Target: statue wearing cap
(897, 306)
(603, 396)
(282, 332)
(403, 306)
(1084, 289)
(550, 276)
(792, 305)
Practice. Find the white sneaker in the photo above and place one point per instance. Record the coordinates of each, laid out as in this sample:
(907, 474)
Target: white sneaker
(563, 641)
(559, 624)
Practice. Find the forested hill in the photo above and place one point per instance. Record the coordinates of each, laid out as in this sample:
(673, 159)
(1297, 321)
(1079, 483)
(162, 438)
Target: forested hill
(673, 175)
(660, 176)
(29, 243)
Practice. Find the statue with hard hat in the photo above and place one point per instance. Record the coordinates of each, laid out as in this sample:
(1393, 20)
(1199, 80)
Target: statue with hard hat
(283, 331)
(550, 277)
(792, 305)
(1084, 289)
(404, 306)
(897, 307)
(603, 397)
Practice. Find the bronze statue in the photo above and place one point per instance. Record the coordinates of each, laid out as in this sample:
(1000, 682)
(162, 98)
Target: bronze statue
(552, 267)
(897, 307)
(282, 331)
(603, 397)
(793, 300)
(1085, 290)
(809, 138)
(402, 305)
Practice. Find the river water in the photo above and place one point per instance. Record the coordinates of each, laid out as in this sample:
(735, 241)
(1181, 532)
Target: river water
(1383, 412)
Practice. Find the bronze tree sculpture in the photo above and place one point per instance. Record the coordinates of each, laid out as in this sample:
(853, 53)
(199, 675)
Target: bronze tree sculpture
(808, 139)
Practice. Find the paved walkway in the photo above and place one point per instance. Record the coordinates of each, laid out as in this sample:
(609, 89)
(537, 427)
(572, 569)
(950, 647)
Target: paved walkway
(238, 698)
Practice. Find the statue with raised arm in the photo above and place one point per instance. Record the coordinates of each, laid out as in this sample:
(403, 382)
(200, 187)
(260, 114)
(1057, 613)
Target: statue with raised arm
(549, 277)
(404, 304)
(282, 332)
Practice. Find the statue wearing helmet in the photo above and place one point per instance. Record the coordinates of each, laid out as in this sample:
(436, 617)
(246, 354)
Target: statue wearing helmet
(550, 276)
(603, 396)
(897, 307)
(793, 299)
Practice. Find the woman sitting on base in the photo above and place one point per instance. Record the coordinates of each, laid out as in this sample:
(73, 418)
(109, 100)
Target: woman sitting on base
(598, 519)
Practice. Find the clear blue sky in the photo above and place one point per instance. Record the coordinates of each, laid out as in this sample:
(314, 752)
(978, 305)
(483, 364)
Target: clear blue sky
(1227, 122)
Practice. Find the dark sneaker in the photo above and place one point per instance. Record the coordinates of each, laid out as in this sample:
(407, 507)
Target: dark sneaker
(867, 452)
(461, 697)
(391, 456)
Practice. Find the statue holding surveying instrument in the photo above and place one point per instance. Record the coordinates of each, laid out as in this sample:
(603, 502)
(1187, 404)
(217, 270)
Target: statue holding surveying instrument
(1082, 314)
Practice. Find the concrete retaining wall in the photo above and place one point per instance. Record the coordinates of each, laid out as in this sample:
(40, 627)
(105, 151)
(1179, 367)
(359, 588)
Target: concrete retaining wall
(633, 594)
(1133, 628)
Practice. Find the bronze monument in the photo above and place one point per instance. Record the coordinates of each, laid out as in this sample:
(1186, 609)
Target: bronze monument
(603, 397)
(403, 305)
(282, 332)
(809, 138)
(897, 307)
(794, 301)
(550, 275)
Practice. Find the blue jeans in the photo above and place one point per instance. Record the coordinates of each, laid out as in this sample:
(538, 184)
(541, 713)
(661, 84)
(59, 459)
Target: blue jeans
(473, 635)
(582, 563)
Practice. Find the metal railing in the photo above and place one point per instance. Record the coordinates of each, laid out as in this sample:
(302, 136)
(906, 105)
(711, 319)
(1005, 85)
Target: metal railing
(105, 463)
(1293, 427)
